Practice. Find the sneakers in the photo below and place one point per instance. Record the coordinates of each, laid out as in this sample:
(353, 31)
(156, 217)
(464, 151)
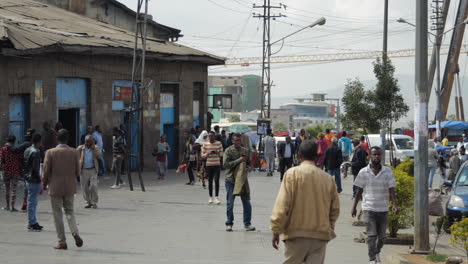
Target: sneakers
(249, 228)
(229, 228)
(35, 228)
(210, 201)
(78, 240)
(115, 186)
(122, 183)
(94, 206)
(88, 206)
(216, 200)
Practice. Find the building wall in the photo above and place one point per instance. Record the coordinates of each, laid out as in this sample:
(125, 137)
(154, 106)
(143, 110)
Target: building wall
(18, 76)
(252, 93)
(284, 116)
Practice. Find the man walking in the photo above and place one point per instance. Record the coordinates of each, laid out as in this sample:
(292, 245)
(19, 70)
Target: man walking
(345, 145)
(328, 137)
(333, 160)
(212, 152)
(118, 153)
(32, 167)
(237, 165)
(61, 168)
(269, 151)
(49, 137)
(374, 184)
(97, 135)
(89, 131)
(286, 151)
(306, 210)
(89, 155)
(358, 162)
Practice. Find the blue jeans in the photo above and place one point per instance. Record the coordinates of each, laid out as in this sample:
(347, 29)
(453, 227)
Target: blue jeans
(432, 171)
(337, 174)
(33, 197)
(230, 206)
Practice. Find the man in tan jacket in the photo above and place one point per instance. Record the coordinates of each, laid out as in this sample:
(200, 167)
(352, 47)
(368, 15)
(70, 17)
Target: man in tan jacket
(61, 168)
(306, 210)
(89, 155)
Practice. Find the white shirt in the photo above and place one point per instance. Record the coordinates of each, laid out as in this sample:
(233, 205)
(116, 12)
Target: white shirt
(375, 194)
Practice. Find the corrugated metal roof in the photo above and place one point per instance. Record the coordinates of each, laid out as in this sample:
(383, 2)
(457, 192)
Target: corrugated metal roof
(33, 28)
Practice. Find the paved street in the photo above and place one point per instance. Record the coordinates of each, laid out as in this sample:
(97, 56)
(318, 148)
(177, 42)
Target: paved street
(170, 223)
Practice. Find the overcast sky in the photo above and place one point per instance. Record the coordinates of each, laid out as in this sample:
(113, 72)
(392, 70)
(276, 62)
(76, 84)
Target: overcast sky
(227, 28)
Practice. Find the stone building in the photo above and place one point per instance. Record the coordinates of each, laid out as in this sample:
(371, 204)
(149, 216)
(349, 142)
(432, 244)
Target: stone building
(60, 66)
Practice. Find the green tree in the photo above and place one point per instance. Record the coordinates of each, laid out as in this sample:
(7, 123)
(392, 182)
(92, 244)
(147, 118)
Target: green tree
(358, 108)
(280, 127)
(234, 118)
(330, 125)
(313, 131)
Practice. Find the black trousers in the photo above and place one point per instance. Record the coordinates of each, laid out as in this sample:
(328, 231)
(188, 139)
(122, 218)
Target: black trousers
(213, 173)
(285, 164)
(190, 166)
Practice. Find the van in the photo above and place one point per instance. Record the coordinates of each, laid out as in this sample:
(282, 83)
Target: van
(403, 146)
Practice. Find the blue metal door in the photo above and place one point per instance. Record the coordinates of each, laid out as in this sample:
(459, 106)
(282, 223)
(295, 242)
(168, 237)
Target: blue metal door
(169, 131)
(167, 125)
(17, 117)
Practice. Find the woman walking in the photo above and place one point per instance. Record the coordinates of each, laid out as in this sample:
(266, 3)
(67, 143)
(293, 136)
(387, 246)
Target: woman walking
(322, 148)
(11, 166)
(190, 156)
(161, 157)
(201, 170)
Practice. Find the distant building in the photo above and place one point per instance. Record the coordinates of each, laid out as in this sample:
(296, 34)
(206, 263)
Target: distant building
(252, 93)
(284, 116)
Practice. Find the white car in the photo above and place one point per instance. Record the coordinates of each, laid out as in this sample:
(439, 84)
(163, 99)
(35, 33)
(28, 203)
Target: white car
(403, 146)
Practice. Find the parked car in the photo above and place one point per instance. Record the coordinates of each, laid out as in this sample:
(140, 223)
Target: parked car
(457, 204)
(403, 146)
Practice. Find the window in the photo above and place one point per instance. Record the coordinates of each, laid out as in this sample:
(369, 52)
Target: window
(235, 81)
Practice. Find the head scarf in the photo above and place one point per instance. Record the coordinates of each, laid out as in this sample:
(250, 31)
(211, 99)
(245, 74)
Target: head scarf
(201, 140)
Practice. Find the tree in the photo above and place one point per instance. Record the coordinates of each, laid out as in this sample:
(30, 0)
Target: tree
(313, 131)
(234, 118)
(330, 125)
(280, 127)
(358, 108)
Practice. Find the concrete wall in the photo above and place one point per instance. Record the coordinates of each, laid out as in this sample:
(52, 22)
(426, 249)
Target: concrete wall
(18, 75)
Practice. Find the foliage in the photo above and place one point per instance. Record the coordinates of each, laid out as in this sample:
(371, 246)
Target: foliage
(234, 118)
(404, 195)
(358, 108)
(313, 131)
(433, 257)
(279, 127)
(329, 126)
(459, 234)
(407, 166)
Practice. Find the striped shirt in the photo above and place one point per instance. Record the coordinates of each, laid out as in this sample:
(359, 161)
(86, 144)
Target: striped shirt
(212, 159)
(375, 194)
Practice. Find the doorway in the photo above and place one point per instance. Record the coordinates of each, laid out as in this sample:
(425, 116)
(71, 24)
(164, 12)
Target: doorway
(18, 116)
(70, 121)
(169, 131)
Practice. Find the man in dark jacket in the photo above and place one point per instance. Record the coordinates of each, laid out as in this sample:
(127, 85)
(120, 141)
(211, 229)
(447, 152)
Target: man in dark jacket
(32, 172)
(286, 152)
(333, 160)
(358, 162)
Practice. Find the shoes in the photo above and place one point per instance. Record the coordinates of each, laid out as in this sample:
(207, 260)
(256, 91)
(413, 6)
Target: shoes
(24, 207)
(122, 183)
(249, 228)
(94, 206)
(88, 206)
(372, 262)
(188, 183)
(78, 240)
(35, 228)
(216, 200)
(13, 210)
(115, 186)
(61, 246)
(210, 201)
(229, 228)
(7, 208)
(192, 183)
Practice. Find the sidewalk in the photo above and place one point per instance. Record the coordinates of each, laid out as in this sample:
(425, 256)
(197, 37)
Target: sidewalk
(169, 223)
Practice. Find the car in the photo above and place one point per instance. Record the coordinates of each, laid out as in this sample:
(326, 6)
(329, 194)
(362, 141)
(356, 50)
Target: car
(457, 204)
(403, 146)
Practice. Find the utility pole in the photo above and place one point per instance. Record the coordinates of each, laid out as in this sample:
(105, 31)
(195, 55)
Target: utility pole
(384, 62)
(421, 213)
(438, 27)
(138, 87)
(266, 77)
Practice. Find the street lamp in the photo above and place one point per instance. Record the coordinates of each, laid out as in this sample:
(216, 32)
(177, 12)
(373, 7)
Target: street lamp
(438, 38)
(321, 21)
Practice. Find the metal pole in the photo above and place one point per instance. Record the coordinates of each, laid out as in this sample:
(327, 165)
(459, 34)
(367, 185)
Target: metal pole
(384, 63)
(421, 214)
(438, 91)
(460, 100)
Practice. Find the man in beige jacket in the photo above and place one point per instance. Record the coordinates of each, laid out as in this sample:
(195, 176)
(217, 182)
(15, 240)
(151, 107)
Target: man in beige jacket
(306, 210)
(89, 155)
(61, 168)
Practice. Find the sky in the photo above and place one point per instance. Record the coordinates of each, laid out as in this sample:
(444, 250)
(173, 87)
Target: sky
(227, 28)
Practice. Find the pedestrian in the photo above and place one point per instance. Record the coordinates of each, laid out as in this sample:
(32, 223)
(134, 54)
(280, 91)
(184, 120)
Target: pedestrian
(161, 150)
(224, 139)
(201, 170)
(212, 152)
(460, 144)
(198, 131)
(286, 152)
(437, 143)
(123, 133)
(119, 151)
(61, 168)
(358, 162)
(322, 148)
(11, 166)
(374, 184)
(58, 126)
(364, 144)
(344, 143)
(20, 151)
(32, 170)
(193, 133)
(328, 137)
(237, 165)
(454, 165)
(269, 151)
(299, 138)
(49, 137)
(305, 211)
(89, 131)
(89, 155)
(441, 163)
(432, 159)
(333, 160)
(97, 135)
(463, 156)
(445, 142)
(190, 157)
